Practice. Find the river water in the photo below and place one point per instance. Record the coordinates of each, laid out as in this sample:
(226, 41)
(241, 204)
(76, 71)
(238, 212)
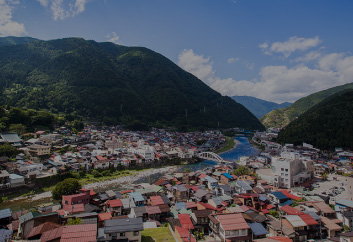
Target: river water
(243, 148)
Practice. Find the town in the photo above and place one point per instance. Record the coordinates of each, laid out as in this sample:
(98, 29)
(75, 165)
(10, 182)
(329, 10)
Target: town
(146, 186)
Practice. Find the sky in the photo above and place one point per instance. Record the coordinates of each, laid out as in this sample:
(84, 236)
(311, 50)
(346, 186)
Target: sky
(276, 50)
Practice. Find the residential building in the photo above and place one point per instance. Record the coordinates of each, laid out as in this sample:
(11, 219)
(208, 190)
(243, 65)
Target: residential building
(126, 229)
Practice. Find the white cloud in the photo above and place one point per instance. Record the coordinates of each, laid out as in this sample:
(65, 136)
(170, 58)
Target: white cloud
(113, 37)
(44, 3)
(232, 60)
(61, 11)
(7, 25)
(293, 44)
(276, 83)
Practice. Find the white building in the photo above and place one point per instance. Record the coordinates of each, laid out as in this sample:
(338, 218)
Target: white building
(146, 151)
(291, 169)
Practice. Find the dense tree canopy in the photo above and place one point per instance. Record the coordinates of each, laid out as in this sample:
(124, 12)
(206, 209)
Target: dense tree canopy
(326, 126)
(112, 83)
(66, 187)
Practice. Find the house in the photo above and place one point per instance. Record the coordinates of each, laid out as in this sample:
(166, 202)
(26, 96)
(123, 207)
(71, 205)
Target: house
(243, 187)
(138, 199)
(114, 207)
(276, 228)
(81, 232)
(4, 179)
(16, 180)
(183, 235)
(139, 212)
(347, 218)
(128, 204)
(185, 221)
(230, 227)
(298, 225)
(127, 229)
(279, 198)
(5, 216)
(81, 198)
(153, 212)
(258, 230)
(201, 221)
(226, 178)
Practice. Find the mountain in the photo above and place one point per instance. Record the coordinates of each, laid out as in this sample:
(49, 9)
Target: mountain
(12, 40)
(327, 125)
(113, 83)
(257, 106)
(282, 117)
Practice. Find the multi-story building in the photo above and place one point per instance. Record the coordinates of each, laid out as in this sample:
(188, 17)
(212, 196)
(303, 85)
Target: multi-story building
(39, 150)
(290, 169)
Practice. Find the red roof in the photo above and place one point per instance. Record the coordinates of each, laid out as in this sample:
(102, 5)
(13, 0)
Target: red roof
(265, 211)
(202, 175)
(269, 206)
(280, 238)
(308, 219)
(79, 233)
(76, 208)
(43, 228)
(51, 234)
(185, 221)
(190, 205)
(99, 157)
(233, 221)
(115, 203)
(153, 210)
(290, 210)
(104, 216)
(185, 234)
(290, 195)
(156, 200)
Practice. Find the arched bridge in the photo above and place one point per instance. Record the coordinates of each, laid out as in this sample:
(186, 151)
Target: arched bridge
(211, 156)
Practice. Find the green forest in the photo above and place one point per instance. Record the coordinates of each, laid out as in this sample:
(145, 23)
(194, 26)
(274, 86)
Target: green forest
(326, 126)
(113, 84)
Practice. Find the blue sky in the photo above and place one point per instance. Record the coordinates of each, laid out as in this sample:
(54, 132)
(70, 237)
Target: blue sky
(277, 50)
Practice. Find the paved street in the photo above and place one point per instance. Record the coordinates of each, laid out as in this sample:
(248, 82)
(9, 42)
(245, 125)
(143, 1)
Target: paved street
(327, 186)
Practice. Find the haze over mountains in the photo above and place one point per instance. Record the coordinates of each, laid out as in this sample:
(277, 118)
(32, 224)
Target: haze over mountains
(111, 83)
(258, 106)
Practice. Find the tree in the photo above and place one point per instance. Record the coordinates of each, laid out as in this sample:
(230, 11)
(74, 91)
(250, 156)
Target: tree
(74, 221)
(18, 128)
(66, 187)
(274, 213)
(241, 170)
(8, 150)
(187, 170)
(324, 176)
(96, 173)
(199, 235)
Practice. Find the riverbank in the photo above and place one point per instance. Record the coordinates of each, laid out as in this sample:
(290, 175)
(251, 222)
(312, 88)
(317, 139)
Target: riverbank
(114, 183)
(231, 143)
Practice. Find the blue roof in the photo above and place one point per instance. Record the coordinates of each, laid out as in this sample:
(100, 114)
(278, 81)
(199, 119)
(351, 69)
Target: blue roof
(217, 200)
(258, 229)
(288, 202)
(5, 213)
(137, 197)
(180, 206)
(263, 198)
(227, 175)
(279, 195)
(345, 203)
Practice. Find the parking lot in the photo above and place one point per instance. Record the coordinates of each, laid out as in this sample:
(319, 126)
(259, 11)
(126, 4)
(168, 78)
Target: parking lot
(333, 188)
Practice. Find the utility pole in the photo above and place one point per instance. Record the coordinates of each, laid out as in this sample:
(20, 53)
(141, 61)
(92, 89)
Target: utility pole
(186, 113)
(121, 108)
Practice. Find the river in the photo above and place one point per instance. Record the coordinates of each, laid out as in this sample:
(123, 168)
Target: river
(243, 148)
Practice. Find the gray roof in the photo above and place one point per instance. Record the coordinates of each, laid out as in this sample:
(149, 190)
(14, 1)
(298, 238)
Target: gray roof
(123, 225)
(5, 234)
(140, 211)
(10, 137)
(128, 203)
(244, 185)
(5, 213)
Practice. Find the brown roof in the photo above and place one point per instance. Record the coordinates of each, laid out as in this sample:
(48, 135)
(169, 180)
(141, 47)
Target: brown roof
(323, 207)
(51, 234)
(285, 229)
(43, 228)
(202, 213)
(164, 208)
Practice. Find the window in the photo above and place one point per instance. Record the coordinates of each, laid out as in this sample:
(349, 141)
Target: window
(136, 233)
(282, 169)
(286, 170)
(122, 234)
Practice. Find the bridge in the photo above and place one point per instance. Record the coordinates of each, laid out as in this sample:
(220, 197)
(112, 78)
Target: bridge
(211, 156)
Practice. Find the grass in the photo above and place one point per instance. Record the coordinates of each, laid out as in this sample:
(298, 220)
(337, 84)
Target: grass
(230, 144)
(157, 235)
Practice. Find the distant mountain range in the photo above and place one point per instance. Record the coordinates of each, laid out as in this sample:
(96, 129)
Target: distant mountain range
(257, 106)
(282, 117)
(112, 83)
(326, 125)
